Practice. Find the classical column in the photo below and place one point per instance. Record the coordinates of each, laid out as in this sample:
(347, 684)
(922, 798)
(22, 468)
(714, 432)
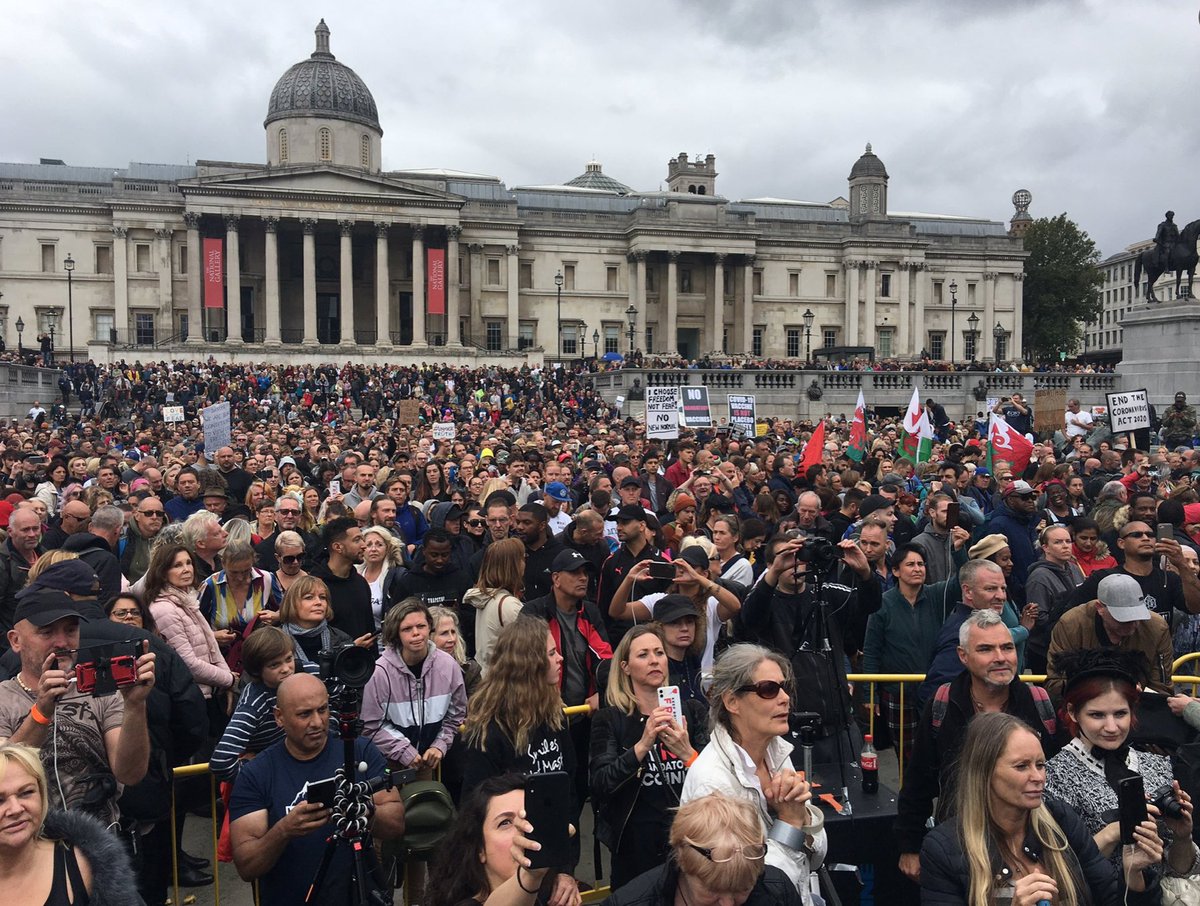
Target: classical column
(718, 304)
(195, 266)
(672, 338)
(476, 251)
(852, 302)
(309, 225)
(902, 337)
(867, 328)
(514, 310)
(346, 289)
(166, 309)
(418, 286)
(638, 273)
(985, 343)
(233, 282)
(383, 282)
(271, 289)
(453, 279)
(919, 332)
(120, 282)
(748, 305)
(1016, 349)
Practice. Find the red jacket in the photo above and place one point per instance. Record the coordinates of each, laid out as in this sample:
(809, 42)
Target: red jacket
(590, 625)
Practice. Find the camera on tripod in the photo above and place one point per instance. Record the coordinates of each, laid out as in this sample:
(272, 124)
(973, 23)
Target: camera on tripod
(821, 554)
(347, 664)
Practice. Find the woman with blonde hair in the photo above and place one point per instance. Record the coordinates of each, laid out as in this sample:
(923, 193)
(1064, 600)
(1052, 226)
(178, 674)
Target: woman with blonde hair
(1008, 844)
(51, 856)
(382, 566)
(305, 616)
(491, 486)
(640, 755)
(496, 595)
(515, 720)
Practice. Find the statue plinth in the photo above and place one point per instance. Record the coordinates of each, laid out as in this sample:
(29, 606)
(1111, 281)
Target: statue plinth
(1160, 350)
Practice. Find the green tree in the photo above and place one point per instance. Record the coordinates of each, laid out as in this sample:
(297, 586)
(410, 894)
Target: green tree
(1062, 286)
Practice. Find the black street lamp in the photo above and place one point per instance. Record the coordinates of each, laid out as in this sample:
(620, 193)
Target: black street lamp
(809, 317)
(595, 344)
(579, 347)
(953, 308)
(20, 341)
(998, 334)
(973, 332)
(631, 314)
(558, 282)
(69, 266)
(52, 319)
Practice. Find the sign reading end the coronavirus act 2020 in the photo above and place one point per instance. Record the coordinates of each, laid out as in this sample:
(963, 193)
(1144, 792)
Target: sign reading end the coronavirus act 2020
(696, 411)
(662, 412)
(1128, 411)
(741, 413)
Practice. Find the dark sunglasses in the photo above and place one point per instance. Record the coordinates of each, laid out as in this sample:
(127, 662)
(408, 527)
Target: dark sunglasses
(476, 523)
(288, 512)
(290, 559)
(1138, 535)
(766, 689)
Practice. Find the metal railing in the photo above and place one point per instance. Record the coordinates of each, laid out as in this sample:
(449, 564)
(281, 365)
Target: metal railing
(599, 894)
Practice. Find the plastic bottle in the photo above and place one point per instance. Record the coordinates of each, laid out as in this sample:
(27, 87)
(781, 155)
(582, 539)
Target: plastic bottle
(868, 761)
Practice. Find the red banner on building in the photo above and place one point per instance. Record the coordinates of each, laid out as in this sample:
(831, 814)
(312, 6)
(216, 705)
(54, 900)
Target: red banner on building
(214, 274)
(435, 280)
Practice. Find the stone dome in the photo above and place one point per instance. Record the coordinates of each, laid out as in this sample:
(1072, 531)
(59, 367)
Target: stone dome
(322, 87)
(593, 177)
(868, 166)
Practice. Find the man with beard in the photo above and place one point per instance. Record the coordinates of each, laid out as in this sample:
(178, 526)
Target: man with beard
(349, 593)
(438, 582)
(634, 547)
(540, 548)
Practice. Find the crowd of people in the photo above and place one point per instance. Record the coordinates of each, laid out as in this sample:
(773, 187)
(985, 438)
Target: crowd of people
(551, 593)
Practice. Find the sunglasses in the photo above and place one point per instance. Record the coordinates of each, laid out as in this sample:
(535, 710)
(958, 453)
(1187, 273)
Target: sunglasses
(288, 512)
(1138, 535)
(290, 559)
(766, 689)
(476, 523)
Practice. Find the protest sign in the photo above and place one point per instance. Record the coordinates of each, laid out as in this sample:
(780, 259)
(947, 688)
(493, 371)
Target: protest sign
(662, 412)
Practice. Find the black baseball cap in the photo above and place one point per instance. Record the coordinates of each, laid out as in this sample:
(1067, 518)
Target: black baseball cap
(630, 512)
(45, 607)
(630, 481)
(568, 561)
(674, 607)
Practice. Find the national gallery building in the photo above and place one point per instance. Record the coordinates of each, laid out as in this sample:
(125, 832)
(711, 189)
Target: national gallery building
(320, 254)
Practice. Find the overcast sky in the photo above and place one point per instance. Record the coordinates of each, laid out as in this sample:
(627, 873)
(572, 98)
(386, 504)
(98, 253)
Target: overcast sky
(1089, 105)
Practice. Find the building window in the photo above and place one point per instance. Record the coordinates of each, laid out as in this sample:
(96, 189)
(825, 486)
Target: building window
(685, 279)
(969, 350)
(325, 144)
(612, 337)
(103, 324)
(831, 285)
(728, 288)
(526, 275)
(143, 325)
(183, 259)
(829, 337)
(756, 345)
(462, 272)
(885, 286)
(570, 336)
(886, 335)
(793, 342)
(725, 340)
(183, 325)
(937, 292)
(283, 146)
(794, 284)
(525, 331)
(104, 259)
(937, 344)
(568, 276)
(651, 279)
(756, 283)
(493, 272)
(610, 278)
(649, 338)
(494, 334)
(971, 294)
(142, 258)
(48, 258)
(364, 151)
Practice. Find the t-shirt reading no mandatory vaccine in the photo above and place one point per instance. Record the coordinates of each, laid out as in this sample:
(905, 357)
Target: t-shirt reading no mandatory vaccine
(275, 781)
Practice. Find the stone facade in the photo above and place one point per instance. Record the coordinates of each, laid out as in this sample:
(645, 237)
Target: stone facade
(328, 253)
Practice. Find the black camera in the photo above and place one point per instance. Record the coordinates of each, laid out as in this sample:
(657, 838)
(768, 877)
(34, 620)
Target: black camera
(348, 664)
(1168, 806)
(821, 555)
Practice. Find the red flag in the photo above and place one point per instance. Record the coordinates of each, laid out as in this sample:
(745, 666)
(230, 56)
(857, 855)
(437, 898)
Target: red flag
(858, 431)
(1006, 445)
(814, 449)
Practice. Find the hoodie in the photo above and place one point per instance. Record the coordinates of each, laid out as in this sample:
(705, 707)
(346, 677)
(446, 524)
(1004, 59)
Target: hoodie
(494, 609)
(1051, 587)
(938, 551)
(1021, 531)
(463, 548)
(406, 714)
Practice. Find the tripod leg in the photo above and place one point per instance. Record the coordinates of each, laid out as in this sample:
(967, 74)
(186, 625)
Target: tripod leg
(319, 878)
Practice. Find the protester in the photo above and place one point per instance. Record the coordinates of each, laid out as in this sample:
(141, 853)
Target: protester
(496, 595)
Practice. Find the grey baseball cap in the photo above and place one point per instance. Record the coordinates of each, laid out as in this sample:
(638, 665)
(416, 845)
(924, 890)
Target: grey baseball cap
(1123, 598)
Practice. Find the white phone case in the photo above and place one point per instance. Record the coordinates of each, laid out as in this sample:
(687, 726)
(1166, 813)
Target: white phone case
(669, 696)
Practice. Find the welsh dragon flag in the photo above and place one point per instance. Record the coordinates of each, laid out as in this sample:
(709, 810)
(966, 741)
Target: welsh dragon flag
(1007, 445)
(917, 443)
(858, 431)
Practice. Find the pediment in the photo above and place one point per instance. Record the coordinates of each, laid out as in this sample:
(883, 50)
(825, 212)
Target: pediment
(316, 181)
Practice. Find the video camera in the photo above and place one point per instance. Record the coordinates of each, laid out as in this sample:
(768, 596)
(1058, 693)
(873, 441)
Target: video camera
(347, 664)
(101, 670)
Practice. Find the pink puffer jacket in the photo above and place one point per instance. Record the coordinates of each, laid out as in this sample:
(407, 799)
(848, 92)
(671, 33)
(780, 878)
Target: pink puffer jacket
(177, 615)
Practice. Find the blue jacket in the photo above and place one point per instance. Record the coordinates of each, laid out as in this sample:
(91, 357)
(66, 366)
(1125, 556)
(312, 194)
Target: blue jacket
(946, 665)
(1021, 532)
(411, 522)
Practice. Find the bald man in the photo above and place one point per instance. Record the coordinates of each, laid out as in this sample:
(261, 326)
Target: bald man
(278, 835)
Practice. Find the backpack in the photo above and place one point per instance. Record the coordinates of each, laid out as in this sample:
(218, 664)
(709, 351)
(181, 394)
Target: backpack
(1041, 701)
(428, 817)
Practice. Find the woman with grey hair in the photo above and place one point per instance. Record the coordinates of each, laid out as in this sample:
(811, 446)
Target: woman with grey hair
(748, 758)
(289, 554)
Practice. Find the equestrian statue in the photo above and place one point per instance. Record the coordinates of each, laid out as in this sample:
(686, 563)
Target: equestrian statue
(1174, 249)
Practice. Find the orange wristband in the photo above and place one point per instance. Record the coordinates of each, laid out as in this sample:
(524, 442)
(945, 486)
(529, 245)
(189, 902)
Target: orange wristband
(691, 760)
(38, 716)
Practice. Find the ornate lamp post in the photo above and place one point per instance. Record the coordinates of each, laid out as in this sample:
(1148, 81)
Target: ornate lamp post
(558, 282)
(69, 266)
(998, 334)
(579, 347)
(953, 309)
(973, 332)
(631, 314)
(809, 317)
(595, 344)
(20, 340)
(52, 318)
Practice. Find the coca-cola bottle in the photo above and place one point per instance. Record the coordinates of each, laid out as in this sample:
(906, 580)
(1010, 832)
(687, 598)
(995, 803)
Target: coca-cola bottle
(868, 761)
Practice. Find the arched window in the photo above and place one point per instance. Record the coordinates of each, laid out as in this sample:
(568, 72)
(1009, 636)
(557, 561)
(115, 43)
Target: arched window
(325, 144)
(700, 190)
(364, 151)
(283, 146)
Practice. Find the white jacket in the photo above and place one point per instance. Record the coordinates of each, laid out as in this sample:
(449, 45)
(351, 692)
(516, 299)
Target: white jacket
(493, 611)
(722, 767)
